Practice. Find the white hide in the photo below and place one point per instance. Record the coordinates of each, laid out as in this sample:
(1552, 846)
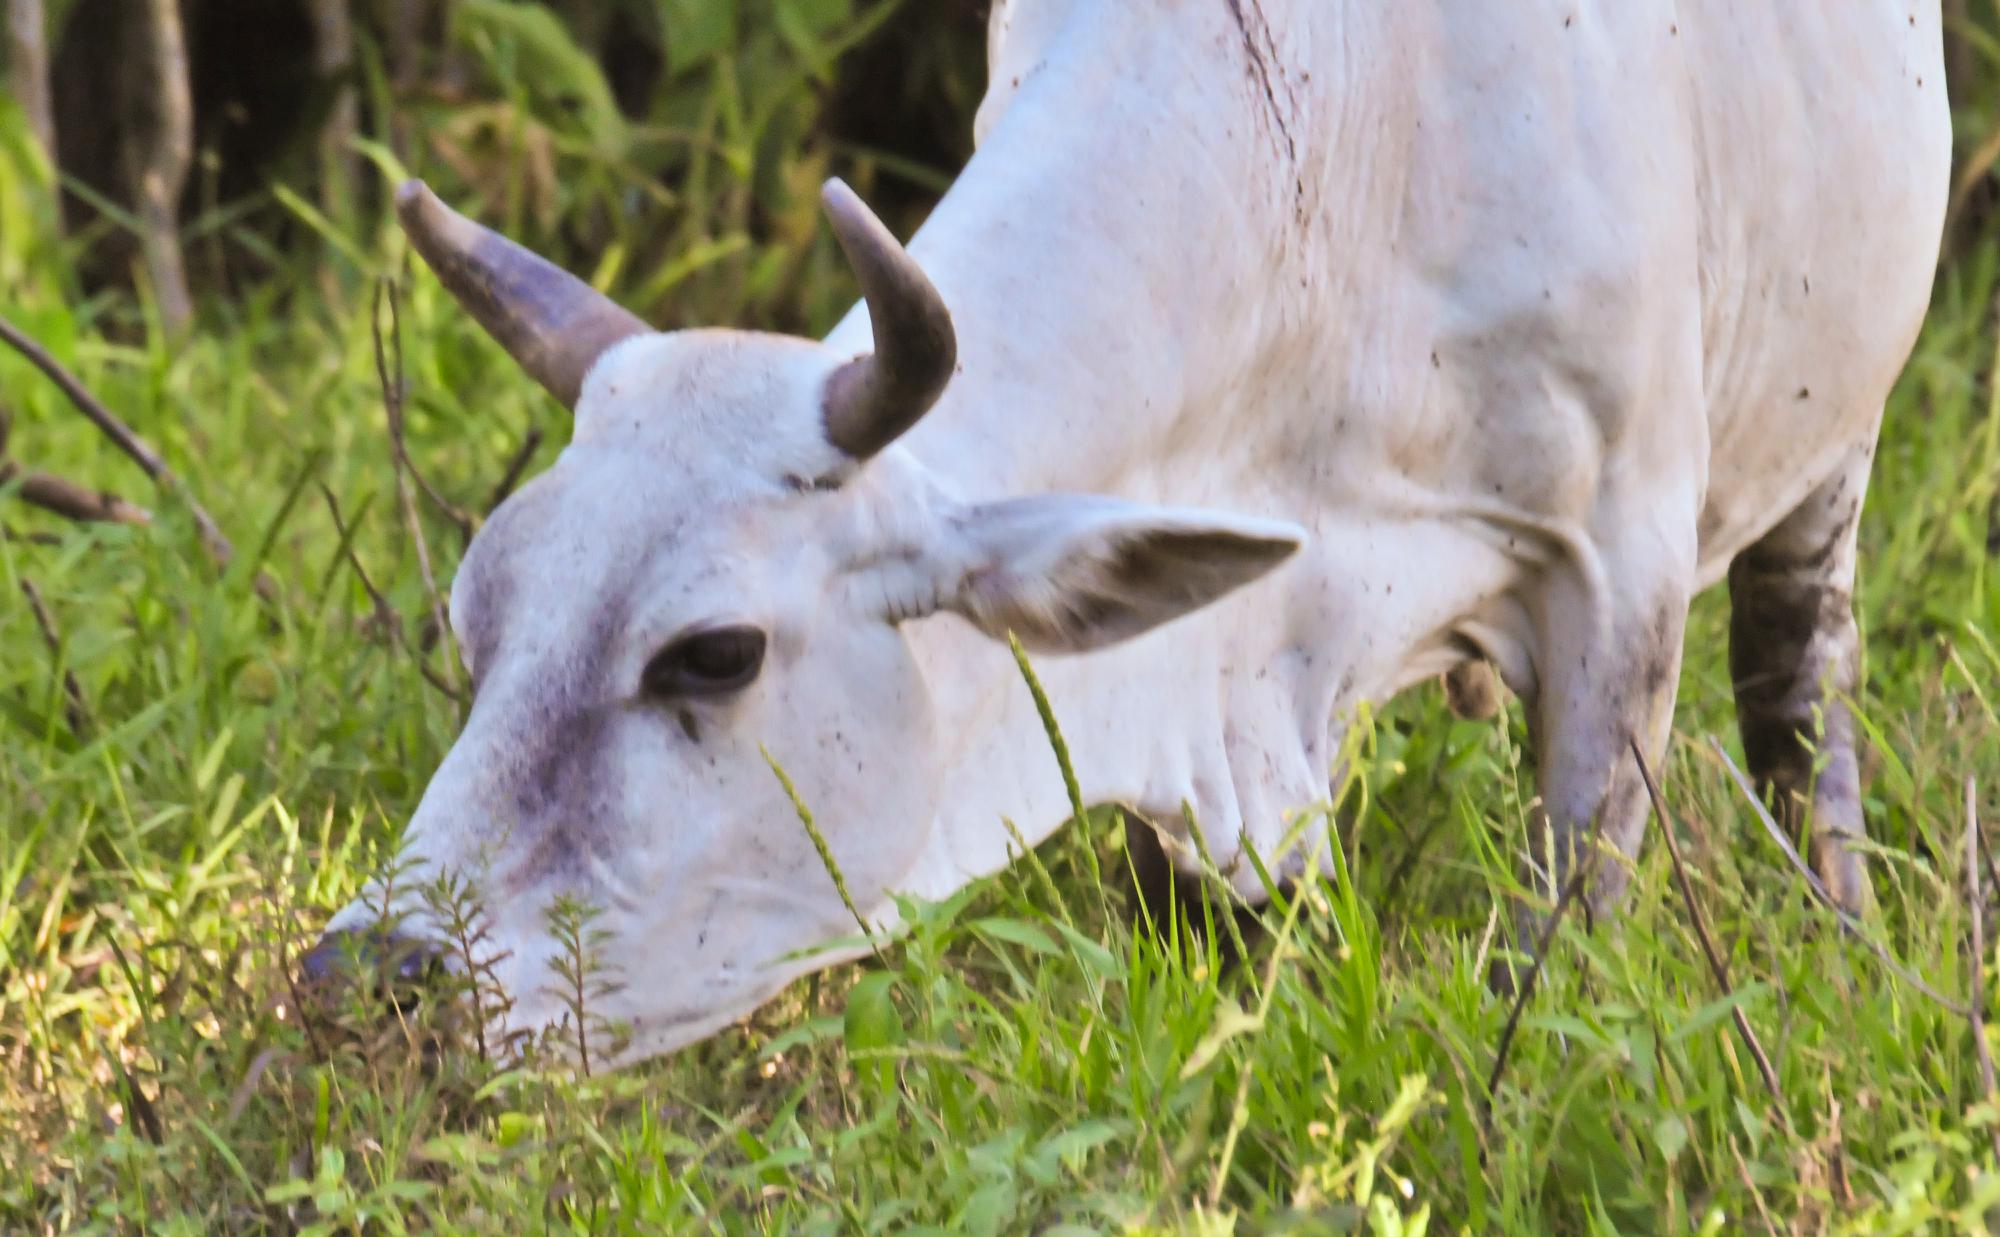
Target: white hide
(1530, 315)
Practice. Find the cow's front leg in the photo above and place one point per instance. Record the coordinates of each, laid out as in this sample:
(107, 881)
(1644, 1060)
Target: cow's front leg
(1608, 667)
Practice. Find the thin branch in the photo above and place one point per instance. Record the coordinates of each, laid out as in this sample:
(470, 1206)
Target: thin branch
(1570, 889)
(121, 436)
(72, 501)
(76, 711)
(239, 1099)
(1756, 1195)
(385, 614)
(43, 539)
(1977, 1014)
(392, 406)
(1716, 965)
(144, 1116)
(1846, 919)
(1986, 853)
(515, 467)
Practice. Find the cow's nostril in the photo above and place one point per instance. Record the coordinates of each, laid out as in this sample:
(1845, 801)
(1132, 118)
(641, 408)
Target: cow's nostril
(369, 953)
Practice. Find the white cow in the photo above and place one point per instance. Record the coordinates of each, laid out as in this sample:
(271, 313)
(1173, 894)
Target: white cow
(1305, 349)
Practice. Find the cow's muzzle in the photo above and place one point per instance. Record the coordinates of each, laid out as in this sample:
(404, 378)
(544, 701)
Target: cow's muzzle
(371, 954)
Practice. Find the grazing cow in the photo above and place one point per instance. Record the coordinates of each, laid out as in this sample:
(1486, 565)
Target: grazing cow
(1270, 356)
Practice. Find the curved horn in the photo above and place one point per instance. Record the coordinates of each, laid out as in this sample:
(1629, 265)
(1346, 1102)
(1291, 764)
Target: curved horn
(547, 319)
(873, 399)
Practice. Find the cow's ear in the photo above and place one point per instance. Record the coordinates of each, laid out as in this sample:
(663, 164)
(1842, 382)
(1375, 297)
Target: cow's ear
(1067, 573)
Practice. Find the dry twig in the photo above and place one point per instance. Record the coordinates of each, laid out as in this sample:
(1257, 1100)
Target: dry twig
(76, 711)
(1977, 1014)
(385, 614)
(122, 436)
(1846, 918)
(1716, 965)
(515, 467)
(72, 501)
(392, 405)
(1570, 889)
(1756, 1195)
(1986, 855)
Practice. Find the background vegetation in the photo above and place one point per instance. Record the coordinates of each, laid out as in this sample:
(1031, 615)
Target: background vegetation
(197, 759)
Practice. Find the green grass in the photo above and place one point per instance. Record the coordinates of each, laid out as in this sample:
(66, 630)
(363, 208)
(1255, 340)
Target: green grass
(1027, 1056)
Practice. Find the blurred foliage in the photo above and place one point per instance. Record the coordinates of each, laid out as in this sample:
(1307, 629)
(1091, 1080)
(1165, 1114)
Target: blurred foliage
(670, 149)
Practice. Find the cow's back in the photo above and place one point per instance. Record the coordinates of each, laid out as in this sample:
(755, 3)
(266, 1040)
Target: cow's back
(1660, 211)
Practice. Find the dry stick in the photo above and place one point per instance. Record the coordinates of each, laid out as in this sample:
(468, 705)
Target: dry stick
(515, 467)
(1978, 1005)
(72, 501)
(392, 404)
(1986, 853)
(1716, 965)
(1569, 891)
(394, 408)
(239, 1099)
(1756, 1195)
(1841, 915)
(385, 614)
(122, 436)
(75, 711)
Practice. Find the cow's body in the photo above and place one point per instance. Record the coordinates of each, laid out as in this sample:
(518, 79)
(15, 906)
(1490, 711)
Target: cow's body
(1535, 317)
(1535, 314)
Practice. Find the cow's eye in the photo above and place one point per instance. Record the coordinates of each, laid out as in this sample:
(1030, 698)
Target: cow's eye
(706, 663)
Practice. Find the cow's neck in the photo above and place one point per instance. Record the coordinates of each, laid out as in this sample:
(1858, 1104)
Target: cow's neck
(1108, 275)
(1108, 302)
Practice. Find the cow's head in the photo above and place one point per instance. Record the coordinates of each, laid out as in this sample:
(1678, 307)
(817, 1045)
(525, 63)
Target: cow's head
(724, 564)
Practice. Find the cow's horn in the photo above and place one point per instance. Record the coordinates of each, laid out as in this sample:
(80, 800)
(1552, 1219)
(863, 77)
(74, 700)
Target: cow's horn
(872, 399)
(547, 319)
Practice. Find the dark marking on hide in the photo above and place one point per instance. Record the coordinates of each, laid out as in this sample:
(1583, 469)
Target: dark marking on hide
(485, 597)
(1261, 49)
(1662, 650)
(689, 727)
(557, 777)
(812, 485)
(561, 795)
